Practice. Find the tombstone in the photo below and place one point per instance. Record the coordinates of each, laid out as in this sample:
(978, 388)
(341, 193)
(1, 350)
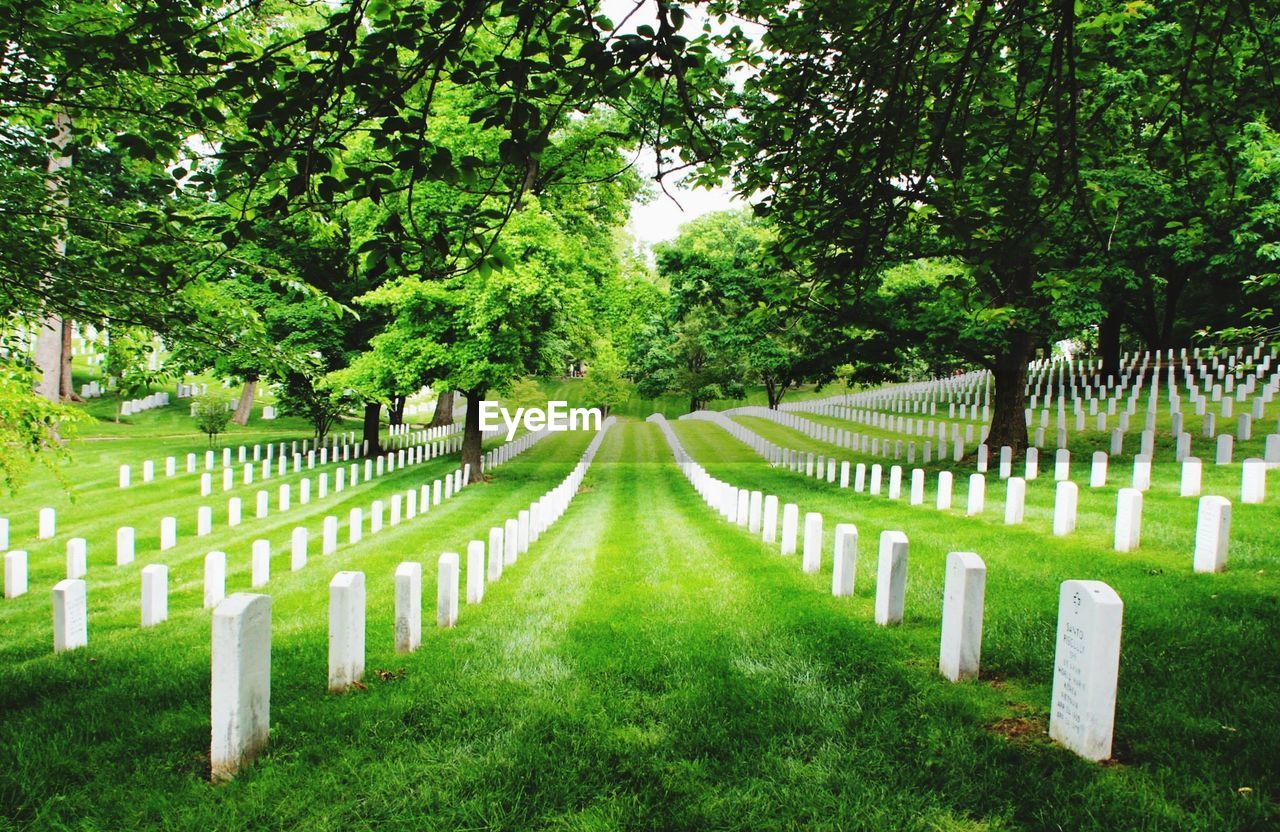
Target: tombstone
(155, 594)
(240, 696)
(812, 551)
(917, 487)
(1192, 470)
(495, 553)
(1213, 529)
(1128, 526)
(891, 578)
(1065, 500)
(298, 548)
(396, 504)
(329, 535)
(1098, 470)
(15, 573)
(70, 615)
(47, 524)
(1086, 668)
(346, 630)
(1061, 465)
(355, 525)
(168, 533)
(263, 506)
(1253, 481)
(962, 602)
(436, 492)
(4, 534)
(408, 582)
(983, 457)
(447, 590)
(125, 545)
(522, 531)
(375, 517)
(844, 474)
(1032, 464)
(790, 521)
(844, 559)
(859, 477)
(215, 578)
(77, 557)
(475, 571)
(124, 476)
(755, 506)
(1006, 462)
(977, 494)
(260, 563)
(1142, 472)
(769, 522)
(204, 521)
(895, 482)
(1015, 499)
(1225, 442)
(876, 476)
(510, 542)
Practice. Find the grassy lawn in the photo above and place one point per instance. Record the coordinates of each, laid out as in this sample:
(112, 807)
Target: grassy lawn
(645, 666)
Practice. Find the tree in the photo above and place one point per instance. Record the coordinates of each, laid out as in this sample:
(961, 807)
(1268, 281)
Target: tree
(738, 310)
(605, 385)
(688, 357)
(443, 415)
(972, 143)
(128, 360)
(480, 331)
(212, 416)
(31, 428)
(524, 393)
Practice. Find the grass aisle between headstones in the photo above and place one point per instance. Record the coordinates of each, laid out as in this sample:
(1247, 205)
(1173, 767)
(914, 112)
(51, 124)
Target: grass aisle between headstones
(644, 665)
(1197, 680)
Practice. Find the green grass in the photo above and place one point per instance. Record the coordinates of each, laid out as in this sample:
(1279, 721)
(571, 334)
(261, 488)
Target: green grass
(645, 666)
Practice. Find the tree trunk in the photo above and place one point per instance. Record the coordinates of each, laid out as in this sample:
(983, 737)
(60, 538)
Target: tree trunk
(244, 407)
(472, 438)
(444, 410)
(372, 427)
(48, 358)
(1109, 340)
(49, 339)
(395, 413)
(67, 384)
(1008, 412)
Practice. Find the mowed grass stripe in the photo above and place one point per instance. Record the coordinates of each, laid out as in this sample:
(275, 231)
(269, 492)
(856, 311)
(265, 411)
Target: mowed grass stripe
(1197, 680)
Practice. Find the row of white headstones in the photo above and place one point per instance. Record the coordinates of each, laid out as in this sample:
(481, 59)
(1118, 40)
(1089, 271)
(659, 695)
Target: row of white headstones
(340, 448)
(131, 406)
(1087, 661)
(1213, 518)
(878, 446)
(16, 561)
(240, 701)
(126, 536)
(70, 595)
(924, 397)
(1074, 376)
